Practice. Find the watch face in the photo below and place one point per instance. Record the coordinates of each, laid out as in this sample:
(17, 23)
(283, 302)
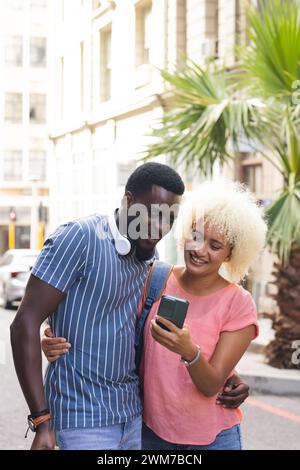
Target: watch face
(31, 425)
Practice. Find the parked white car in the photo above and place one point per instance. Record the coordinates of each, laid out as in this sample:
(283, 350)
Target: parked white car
(15, 267)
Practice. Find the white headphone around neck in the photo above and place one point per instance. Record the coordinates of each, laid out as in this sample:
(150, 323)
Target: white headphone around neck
(122, 244)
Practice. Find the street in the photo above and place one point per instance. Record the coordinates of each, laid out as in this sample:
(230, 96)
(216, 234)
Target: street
(13, 408)
(271, 422)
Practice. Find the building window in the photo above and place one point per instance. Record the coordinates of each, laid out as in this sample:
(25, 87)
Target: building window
(216, 21)
(143, 31)
(13, 107)
(12, 165)
(105, 64)
(37, 164)
(78, 183)
(14, 51)
(210, 45)
(252, 176)
(15, 4)
(37, 112)
(38, 48)
(181, 32)
(22, 236)
(100, 174)
(39, 6)
(124, 170)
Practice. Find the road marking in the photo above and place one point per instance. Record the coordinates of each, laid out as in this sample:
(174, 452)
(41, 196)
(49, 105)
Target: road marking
(273, 409)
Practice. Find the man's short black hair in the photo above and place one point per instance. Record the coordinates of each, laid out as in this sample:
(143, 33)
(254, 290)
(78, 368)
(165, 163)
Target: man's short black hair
(148, 174)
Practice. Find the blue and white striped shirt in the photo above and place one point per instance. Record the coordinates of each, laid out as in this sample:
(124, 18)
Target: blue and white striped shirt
(95, 383)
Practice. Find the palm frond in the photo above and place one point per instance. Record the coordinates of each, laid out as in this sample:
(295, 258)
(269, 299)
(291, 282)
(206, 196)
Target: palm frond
(284, 222)
(271, 59)
(282, 137)
(208, 114)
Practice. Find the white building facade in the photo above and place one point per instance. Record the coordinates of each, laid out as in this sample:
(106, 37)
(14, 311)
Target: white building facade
(23, 121)
(107, 90)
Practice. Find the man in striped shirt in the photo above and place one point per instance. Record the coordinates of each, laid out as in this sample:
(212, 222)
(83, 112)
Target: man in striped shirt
(91, 294)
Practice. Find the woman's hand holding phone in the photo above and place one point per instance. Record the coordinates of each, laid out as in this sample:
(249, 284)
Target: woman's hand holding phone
(177, 340)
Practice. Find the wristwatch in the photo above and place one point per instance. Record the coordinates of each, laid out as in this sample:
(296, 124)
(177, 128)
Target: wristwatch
(35, 419)
(194, 360)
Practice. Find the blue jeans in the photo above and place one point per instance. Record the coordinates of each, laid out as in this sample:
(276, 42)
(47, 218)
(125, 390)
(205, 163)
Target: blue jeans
(125, 436)
(229, 439)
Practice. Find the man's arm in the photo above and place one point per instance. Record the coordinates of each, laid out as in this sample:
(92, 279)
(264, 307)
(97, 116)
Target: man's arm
(40, 301)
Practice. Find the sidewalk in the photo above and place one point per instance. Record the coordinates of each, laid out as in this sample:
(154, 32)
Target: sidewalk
(262, 377)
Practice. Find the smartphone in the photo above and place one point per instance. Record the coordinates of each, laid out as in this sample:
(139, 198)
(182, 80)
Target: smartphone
(173, 309)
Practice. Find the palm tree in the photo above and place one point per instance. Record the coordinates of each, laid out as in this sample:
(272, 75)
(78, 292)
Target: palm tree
(214, 109)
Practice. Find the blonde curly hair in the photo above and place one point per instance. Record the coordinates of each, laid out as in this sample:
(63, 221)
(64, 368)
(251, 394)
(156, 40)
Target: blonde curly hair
(231, 208)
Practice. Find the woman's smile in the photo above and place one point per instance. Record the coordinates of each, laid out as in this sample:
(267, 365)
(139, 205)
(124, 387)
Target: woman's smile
(197, 260)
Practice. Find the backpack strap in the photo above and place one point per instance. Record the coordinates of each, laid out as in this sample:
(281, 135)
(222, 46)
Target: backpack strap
(155, 285)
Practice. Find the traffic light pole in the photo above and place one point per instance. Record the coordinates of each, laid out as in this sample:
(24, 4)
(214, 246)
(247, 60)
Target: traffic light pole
(11, 236)
(12, 229)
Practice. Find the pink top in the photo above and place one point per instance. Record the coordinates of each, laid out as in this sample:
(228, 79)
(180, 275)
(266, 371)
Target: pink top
(173, 407)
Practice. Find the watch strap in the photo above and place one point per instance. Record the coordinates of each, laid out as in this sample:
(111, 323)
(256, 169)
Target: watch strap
(36, 414)
(40, 419)
(35, 422)
(194, 360)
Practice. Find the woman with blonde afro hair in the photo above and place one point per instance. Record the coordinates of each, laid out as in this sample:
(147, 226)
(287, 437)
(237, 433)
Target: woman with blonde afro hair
(221, 229)
(231, 208)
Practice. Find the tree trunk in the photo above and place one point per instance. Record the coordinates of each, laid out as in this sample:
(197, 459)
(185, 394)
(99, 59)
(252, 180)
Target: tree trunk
(282, 351)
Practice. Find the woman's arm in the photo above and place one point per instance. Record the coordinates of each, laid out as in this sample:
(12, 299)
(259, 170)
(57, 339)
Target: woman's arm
(210, 376)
